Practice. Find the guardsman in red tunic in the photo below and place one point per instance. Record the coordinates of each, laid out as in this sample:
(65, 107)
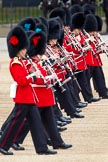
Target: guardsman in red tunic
(69, 49)
(45, 95)
(23, 95)
(64, 97)
(76, 29)
(96, 72)
(63, 14)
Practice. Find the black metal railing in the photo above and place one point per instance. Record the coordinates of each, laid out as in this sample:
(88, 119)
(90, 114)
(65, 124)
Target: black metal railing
(10, 13)
(13, 15)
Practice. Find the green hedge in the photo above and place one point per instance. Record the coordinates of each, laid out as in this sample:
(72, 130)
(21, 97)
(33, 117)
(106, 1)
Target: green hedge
(13, 15)
(8, 15)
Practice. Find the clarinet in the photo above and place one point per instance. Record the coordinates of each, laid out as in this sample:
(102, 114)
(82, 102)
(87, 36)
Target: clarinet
(58, 82)
(36, 69)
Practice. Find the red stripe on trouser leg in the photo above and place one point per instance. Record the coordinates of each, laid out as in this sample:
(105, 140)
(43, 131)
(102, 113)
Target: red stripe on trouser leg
(10, 128)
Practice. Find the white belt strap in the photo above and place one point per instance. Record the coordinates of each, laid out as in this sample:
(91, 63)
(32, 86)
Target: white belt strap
(36, 85)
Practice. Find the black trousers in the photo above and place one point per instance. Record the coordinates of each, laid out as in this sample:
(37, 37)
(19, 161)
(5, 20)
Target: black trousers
(22, 132)
(19, 136)
(65, 100)
(57, 111)
(97, 74)
(31, 113)
(8, 120)
(73, 87)
(50, 127)
(49, 122)
(74, 92)
(85, 85)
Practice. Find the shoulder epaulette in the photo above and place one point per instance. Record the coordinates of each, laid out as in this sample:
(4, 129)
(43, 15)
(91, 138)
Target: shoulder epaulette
(16, 61)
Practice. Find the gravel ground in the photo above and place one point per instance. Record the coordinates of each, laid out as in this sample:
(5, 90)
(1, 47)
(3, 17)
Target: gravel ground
(89, 136)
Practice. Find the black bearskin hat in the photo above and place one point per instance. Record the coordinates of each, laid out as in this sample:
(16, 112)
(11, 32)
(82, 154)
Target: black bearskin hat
(68, 16)
(86, 12)
(61, 39)
(90, 23)
(37, 20)
(42, 27)
(29, 33)
(75, 9)
(100, 22)
(16, 41)
(60, 21)
(27, 23)
(38, 41)
(54, 29)
(90, 8)
(58, 12)
(44, 21)
(78, 20)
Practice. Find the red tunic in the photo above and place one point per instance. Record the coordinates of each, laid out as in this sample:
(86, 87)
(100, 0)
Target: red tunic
(45, 95)
(96, 57)
(24, 92)
(89, 58)
(78, 58)
(59, 67)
